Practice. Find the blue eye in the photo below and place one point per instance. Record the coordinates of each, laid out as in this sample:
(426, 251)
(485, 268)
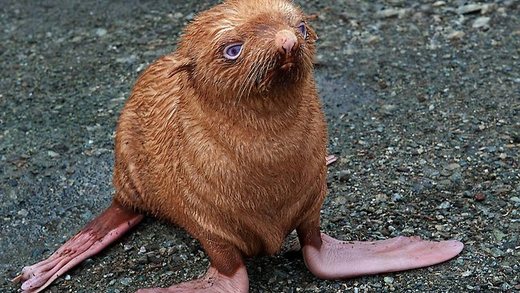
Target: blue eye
(303, 30)
(232, 51)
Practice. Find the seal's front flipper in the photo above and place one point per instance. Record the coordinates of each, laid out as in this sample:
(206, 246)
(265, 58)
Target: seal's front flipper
(211, 282)
(329, 258)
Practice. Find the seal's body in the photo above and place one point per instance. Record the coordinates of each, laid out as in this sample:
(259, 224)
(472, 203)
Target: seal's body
(226, 138)
(221, 146)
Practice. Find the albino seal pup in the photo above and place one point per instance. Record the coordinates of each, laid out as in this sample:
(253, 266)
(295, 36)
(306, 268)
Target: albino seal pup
(226, 138)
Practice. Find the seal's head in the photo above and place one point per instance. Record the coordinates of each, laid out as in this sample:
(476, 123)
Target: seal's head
(248, 48)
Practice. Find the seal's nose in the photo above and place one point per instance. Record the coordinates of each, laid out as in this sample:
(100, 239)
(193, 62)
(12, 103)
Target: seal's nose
(286, 42)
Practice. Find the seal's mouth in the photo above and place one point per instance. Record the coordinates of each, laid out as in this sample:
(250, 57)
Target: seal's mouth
(285, 71)
(282, 70)
(287, 63)
(287, 66)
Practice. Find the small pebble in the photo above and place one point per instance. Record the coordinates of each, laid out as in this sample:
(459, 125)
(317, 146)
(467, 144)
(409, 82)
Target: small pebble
(23, 213)
(456, 35)
(456, 177)
(444, 205)
(397, 197)
(389, 107)
(143, 259)
(481, 22)
(390, 12)
(101, 32)
(125, 281)
(453, 166)
(499, 235)
(469, 8)
(344, 175)
(480, 196)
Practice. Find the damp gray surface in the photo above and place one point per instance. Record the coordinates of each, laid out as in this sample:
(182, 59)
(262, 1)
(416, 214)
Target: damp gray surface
(422, 100)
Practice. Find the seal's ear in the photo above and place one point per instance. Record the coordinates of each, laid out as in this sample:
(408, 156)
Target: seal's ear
(181, 64)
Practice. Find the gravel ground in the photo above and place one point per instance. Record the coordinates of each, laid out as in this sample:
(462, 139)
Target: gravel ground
(422, 99)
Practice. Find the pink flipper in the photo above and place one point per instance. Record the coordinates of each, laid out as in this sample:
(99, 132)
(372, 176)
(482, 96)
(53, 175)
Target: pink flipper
(336, 259)
(98, 234)
(212, 281)
(330, 159)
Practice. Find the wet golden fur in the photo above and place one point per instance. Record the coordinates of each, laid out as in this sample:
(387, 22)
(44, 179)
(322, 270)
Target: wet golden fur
(228, 150)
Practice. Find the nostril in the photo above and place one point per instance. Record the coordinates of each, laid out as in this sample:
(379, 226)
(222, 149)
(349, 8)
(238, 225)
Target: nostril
(286, 41)
(288, 45)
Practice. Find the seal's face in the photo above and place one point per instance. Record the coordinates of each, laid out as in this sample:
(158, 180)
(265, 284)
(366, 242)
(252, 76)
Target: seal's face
(245, 48)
